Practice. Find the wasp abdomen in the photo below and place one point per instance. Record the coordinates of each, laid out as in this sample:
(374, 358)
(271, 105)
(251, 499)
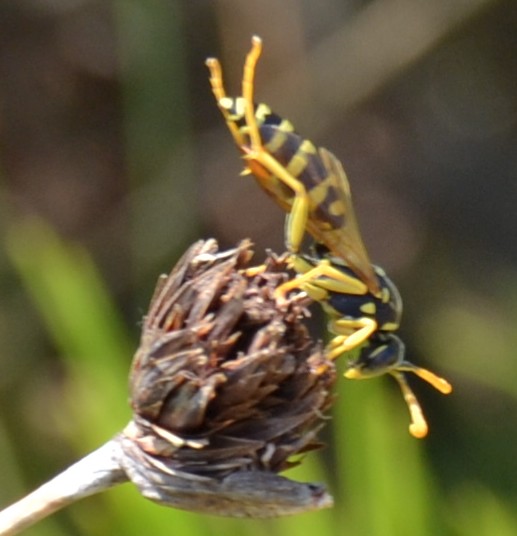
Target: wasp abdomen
(298, 156)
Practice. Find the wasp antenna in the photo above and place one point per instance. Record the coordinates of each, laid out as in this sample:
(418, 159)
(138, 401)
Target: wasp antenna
(418, 427)
(440, 384)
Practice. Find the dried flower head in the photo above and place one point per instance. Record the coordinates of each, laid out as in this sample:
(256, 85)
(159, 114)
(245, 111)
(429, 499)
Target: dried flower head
(226, 387)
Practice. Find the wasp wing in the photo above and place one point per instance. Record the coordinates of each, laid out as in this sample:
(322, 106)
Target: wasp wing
(333, 222)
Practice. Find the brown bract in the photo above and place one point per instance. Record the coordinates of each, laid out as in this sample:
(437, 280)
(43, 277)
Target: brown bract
(226, 387)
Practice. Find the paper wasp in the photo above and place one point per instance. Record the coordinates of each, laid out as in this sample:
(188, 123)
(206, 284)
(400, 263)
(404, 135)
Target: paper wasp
(309, 183)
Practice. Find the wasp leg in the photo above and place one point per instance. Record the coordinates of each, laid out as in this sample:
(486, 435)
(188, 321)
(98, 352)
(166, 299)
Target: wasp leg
(299, 214)
(223, 101)
(247, 92)
(216, 78)
(323, 276)
(350, 334)
(254, 270)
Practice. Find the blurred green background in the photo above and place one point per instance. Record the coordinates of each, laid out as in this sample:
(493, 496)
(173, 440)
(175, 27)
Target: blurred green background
(114, 158)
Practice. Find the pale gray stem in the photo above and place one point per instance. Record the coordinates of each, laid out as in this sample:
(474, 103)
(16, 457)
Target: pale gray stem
(96, 472)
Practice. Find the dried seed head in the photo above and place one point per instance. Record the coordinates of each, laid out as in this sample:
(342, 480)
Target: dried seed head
(226, 388)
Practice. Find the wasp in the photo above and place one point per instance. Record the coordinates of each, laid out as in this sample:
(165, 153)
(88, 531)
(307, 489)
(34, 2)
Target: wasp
(296, 174)
(363, 305)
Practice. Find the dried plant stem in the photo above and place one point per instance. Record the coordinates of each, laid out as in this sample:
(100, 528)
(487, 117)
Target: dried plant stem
(96, 472)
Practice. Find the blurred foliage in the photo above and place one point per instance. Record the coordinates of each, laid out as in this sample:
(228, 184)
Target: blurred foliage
(114, 158)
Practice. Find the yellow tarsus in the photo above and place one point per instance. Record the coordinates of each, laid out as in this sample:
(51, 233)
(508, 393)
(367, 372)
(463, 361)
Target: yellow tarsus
(217, 84)
(216, 78)
(247, 91)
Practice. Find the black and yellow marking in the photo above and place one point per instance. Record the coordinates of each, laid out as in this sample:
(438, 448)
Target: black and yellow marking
(310, 184)
(364, 320)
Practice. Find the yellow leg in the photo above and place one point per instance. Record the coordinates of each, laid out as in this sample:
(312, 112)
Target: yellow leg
(223, 102)
(216, 78)
(254, 270)
(247, 92)
(299, 213)
(323, 276)
(350, 335)
(297, 219)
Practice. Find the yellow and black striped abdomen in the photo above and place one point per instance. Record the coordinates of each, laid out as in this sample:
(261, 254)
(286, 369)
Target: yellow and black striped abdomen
(298, 156)
(302, 160)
